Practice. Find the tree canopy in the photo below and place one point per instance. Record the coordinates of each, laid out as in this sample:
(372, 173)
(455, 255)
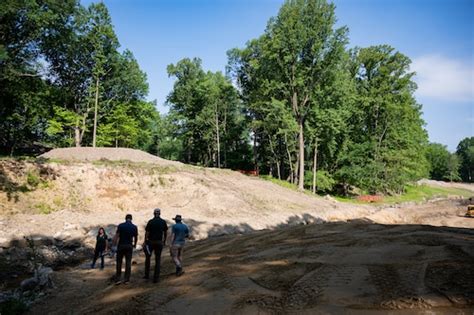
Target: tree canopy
(295, 103)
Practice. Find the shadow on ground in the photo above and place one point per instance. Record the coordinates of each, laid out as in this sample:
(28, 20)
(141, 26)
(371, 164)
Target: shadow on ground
(355, 266)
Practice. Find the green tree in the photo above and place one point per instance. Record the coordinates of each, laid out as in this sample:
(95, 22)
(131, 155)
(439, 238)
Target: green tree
(465, 151)
(207, 112)
(438, 157)
(121, 129)
(293, 59)
(24, 95)
(99, 32)
(386, 144)
(79, 58)
(453, 168)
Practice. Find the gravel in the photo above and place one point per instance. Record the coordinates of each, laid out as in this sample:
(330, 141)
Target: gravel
(112, 154)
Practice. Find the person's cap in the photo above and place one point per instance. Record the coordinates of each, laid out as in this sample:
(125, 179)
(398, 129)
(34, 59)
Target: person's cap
(157, 211)
(128, 217)
(177, 217)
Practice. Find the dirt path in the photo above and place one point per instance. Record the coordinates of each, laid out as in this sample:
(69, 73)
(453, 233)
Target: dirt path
(360, 268)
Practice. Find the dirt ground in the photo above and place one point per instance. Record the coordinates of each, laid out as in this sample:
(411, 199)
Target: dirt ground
(293, 253)
(358, 267)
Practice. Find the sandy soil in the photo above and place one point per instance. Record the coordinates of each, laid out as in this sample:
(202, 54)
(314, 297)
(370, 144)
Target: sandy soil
(331, 268)
(213, 202)
(404, 259)
(111, 154)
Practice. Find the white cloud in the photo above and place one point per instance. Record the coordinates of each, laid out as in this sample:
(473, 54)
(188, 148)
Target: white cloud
(444, 79)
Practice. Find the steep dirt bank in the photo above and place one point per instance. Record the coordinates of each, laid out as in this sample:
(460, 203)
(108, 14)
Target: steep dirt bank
(61, 204)
(47, 198)
(331, 268)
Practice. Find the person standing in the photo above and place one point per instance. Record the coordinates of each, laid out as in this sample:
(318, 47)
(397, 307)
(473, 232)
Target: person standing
(179, 233)
(155, 238)
(100, 247)
(126, 238)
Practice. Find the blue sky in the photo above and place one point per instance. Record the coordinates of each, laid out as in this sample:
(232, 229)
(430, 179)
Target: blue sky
(438, 35)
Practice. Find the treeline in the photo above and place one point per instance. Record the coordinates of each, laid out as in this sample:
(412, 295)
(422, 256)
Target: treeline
(318, 114)
(458, 166)
(295, 103)
(64, 81)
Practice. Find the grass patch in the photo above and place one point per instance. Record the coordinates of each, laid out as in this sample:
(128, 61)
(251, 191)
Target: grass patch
(425, 192)
(33, 179)
(280, 182)
(44, 208)
(415, 193)
(58, 201)
(17, 158)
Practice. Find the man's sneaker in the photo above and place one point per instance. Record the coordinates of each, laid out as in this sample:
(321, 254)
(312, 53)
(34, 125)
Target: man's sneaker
(126, 282)
(146, 277)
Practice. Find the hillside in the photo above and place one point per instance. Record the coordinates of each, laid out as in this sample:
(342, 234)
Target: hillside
(60, 202)
(52, 194)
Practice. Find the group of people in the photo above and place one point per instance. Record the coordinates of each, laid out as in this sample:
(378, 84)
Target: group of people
(156, 232)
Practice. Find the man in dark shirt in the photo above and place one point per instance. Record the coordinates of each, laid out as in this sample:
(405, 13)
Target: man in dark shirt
(126, 236)
(155, 239)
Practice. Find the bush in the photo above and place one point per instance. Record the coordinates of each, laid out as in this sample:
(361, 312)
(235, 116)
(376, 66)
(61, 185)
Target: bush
(324, 181)
(33, 179)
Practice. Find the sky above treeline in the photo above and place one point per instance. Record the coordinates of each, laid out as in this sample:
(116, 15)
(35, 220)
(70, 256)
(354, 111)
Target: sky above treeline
(437, 35)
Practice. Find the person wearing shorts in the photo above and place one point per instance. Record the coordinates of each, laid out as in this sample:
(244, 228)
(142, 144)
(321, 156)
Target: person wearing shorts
(179, 233)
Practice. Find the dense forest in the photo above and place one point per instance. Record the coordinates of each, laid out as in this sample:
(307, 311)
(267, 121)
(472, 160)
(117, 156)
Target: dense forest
(296, 103)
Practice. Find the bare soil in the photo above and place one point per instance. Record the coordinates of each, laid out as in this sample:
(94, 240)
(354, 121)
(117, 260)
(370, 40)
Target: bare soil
(332, 268)
(287, 257)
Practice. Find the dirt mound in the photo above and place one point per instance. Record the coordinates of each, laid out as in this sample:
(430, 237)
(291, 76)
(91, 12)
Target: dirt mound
(111, 154)
(212, 201)
(437, 183)
(330, 268)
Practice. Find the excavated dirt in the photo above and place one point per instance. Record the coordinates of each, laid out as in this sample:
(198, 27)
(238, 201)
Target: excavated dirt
(331, 268)
(110, 154)
(286, 258)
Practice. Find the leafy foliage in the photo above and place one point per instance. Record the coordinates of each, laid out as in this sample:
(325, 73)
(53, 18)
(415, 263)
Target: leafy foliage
(465, 151)
(297, 104)
(61, 76)
(208, 116)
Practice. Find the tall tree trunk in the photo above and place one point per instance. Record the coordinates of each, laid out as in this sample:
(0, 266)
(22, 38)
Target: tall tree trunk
(296, 168)
(277, 162)
(95, 110)
(301, 156)
(218, 141)
(292, 180)
(315, 162)
(278, 169)
(255, 151)
(77, 136)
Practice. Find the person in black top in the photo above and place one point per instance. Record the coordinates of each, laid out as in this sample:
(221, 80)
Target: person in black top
(126, 237)
(155, 239)
(100, 247)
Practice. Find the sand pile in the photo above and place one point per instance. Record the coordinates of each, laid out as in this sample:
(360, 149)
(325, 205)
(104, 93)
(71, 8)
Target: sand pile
(111, 154)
